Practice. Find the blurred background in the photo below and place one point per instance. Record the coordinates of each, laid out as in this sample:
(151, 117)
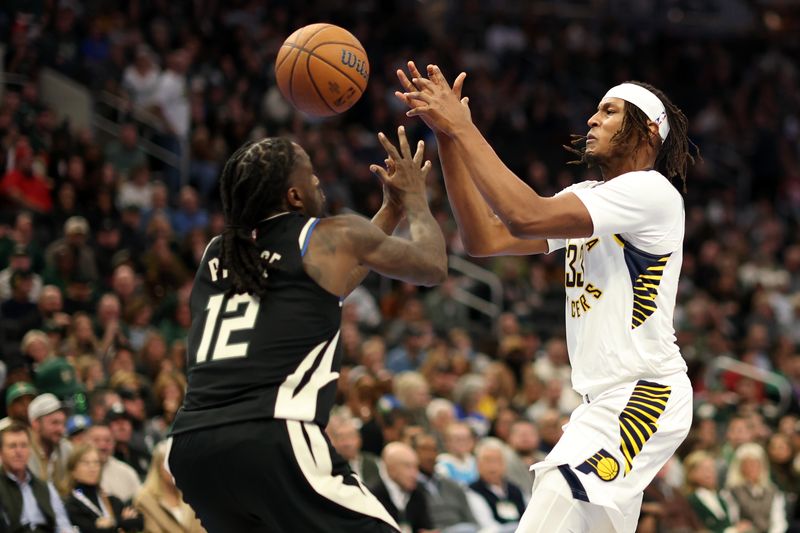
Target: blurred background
(117, 116)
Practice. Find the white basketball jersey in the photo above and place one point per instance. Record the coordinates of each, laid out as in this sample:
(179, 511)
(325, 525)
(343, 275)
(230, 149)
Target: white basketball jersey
(621, 282)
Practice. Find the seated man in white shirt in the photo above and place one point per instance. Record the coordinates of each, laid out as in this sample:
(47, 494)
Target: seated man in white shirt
(117, 479)
(496, 503)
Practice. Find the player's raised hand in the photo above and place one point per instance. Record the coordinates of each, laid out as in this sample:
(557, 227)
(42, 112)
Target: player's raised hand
(405, 172)
(440, 106)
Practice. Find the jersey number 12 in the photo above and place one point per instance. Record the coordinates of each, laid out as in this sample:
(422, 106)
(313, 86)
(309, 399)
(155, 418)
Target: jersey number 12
(226, 325)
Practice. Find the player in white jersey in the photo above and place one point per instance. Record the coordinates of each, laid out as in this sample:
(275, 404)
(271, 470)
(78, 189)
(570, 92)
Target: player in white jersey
(623, 238)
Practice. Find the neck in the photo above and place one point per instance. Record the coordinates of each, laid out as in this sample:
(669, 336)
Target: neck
(20, 474)
(641, 159)
(46, 447)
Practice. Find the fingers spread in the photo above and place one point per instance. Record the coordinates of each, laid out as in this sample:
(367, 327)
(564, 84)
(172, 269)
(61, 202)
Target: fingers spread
(459, 84)
(404, 81)
(435, 75)
(405, 149)
(413, 70)
(389, 147)
(420, 153)
(380, 172)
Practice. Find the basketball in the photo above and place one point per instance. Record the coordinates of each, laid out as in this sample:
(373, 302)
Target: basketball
(607, 468)
(322, 69)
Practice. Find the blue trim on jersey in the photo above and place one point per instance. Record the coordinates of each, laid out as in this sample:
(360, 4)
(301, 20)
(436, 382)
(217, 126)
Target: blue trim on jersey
(308, 236)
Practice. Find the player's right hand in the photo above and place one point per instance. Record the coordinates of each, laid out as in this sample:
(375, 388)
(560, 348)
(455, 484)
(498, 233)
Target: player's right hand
(410, 172)
(412, 103)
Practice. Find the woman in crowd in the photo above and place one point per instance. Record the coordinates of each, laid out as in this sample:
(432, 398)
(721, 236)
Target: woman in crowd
(758, 498)
(161, 503)
(714, 508)
(89, 508)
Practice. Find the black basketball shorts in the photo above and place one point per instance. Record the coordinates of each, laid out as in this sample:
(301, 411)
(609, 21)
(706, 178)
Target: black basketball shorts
(276, 476)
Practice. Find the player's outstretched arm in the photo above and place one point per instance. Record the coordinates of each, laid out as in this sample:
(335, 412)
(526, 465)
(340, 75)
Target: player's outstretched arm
(342, 243)
(482, 232)
(526, 214)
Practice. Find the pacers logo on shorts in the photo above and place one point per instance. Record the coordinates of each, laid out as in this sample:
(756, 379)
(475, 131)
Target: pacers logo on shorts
(603, 464)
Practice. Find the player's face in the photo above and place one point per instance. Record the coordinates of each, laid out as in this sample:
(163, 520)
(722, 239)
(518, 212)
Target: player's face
(307, 184)
(603, 125)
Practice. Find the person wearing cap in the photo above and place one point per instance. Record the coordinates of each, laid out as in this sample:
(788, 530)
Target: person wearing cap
(18, 398)
(623, 237)
(76, 237)
(19, 261)
(50, 450)
(30, 504)
(126, 449)
(76, 429)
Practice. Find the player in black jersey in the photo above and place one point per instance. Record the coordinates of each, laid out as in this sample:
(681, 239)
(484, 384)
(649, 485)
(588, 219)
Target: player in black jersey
(248, 448)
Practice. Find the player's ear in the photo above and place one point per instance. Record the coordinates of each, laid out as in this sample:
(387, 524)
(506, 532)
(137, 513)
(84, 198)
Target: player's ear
(294, 199)
(653, 127)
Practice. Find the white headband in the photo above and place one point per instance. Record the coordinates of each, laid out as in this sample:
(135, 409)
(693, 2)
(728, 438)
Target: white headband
(644, 100)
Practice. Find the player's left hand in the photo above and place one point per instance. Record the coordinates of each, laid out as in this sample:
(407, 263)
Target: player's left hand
(433, 100)
(391, 197)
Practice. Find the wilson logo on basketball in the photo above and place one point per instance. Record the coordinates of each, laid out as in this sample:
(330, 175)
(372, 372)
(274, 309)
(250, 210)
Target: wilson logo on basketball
(349, 59)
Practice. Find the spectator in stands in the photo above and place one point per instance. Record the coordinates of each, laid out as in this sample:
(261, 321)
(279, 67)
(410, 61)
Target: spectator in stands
(49, 449)
(19, 308)
(117, 478)
(665, 507)
(18, 397)
(136, 190)
(189, 214)
(440, 413)
(412, 393)
(785, 474)
(716, 509)
(411, 354)
(523, 443)
(170, 103)
(398, 490)
(141, 78)
(20, 261)
(169, 389)
(24, 186)
(76, 235)
(343, 432)
(458, 463)
(447, 502)
(759, 500)
(76, 430)
(124, 153)
(88, 506)
(125, 449)
(29, 503)
(496, 503)
(161, 503)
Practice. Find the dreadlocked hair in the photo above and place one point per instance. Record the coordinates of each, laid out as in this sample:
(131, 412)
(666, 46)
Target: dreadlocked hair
(252, 185)
(673, 154)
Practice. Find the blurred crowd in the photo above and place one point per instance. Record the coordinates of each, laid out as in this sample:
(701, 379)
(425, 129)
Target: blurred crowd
(440, 409)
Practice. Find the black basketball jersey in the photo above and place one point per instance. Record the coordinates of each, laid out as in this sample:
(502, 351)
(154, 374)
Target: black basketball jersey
(273, 357)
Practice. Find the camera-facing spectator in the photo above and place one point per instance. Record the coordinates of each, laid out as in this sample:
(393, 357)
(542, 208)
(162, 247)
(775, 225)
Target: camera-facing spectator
(88, 506)
(29, 502)
(117, 478)
(398, 490)
(496, 503)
